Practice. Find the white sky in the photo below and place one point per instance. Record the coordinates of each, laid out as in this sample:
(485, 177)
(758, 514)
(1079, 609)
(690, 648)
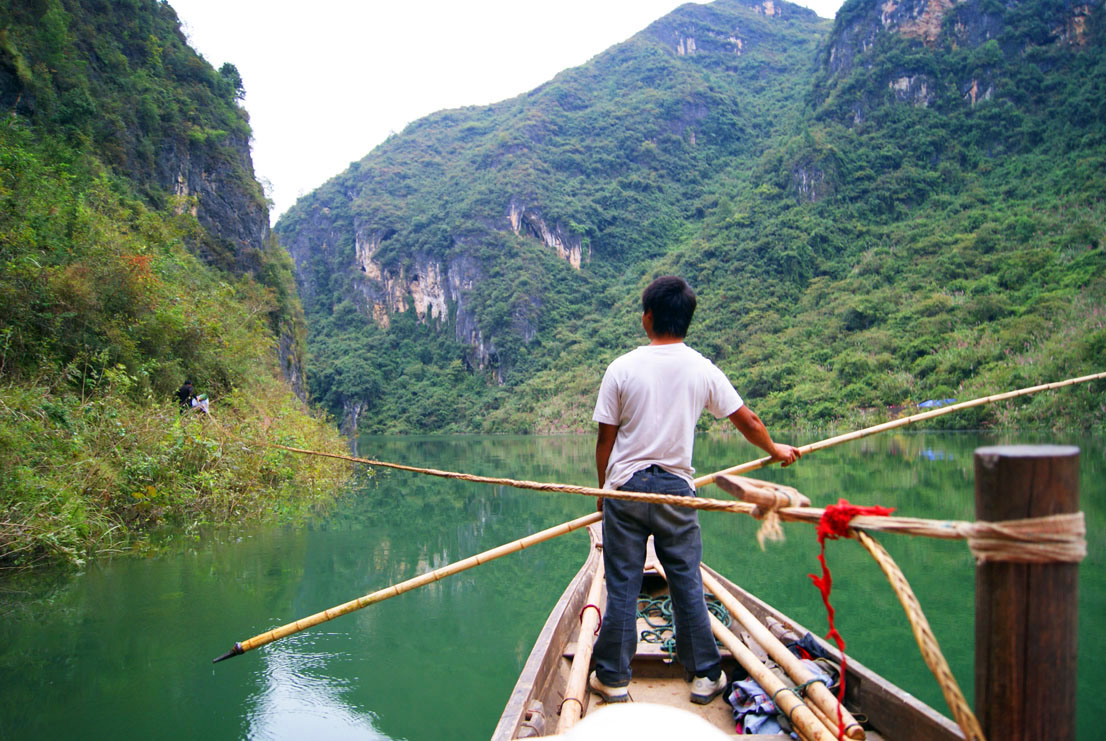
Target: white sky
(328, 80)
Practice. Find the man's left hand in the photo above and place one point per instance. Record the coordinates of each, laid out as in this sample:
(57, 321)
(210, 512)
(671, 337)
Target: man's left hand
(786, 454)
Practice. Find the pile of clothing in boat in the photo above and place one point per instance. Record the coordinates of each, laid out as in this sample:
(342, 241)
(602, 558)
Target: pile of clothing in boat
(753, 708)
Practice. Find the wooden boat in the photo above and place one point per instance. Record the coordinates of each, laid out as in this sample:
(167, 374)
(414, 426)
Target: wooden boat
(535, 704)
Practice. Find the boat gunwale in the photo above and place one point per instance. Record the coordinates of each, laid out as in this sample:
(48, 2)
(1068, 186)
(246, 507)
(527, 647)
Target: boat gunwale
(542, 656)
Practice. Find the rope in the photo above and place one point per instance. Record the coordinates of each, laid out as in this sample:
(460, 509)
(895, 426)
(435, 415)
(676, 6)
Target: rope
(770, 529)
(833, 525)
(577, 700)
(989, 542)
(1051, 539)
(800, 692)
(660, 609)
(1059, 538)
(927, 642)
(598, 613)
(776, 702)
(704, 503)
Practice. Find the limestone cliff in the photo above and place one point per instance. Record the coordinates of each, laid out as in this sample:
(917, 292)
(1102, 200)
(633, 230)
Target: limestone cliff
(889, 41)
(120, 83)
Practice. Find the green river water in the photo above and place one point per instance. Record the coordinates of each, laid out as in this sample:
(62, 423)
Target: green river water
(123, 650)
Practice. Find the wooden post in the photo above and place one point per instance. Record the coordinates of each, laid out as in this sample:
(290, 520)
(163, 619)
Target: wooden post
(1026, 614)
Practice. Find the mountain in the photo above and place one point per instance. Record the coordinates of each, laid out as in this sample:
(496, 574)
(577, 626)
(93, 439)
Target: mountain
(460, 252)
(905, 204)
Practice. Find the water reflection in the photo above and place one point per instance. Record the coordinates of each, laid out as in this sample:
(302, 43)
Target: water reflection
(298, 700)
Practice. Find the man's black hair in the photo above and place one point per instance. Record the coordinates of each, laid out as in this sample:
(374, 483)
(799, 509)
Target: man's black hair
(672, 302)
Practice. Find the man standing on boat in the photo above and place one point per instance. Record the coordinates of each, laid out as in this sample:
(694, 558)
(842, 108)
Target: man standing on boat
(649, 403)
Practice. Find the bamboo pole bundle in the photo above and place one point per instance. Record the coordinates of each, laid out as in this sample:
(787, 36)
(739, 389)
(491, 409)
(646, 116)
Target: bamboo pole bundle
(809, 721)
(817, 692)
(573, 705)
(802, 718)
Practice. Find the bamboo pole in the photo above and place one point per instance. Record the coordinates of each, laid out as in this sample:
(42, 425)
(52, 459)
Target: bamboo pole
(581, 660)
(786, 635)
(818, 693)
(802, 718)
(799, 513)
(896, 423)
(709, 478)
(405, 586)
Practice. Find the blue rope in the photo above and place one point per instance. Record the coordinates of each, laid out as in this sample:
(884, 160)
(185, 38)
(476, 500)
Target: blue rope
(657, 614)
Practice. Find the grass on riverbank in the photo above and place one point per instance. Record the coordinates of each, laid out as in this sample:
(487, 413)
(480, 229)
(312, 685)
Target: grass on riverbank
(94, 476)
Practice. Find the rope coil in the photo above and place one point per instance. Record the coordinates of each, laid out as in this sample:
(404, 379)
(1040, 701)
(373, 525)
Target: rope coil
(657, 614)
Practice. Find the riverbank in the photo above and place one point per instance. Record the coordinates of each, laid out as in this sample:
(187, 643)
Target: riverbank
(90, 473)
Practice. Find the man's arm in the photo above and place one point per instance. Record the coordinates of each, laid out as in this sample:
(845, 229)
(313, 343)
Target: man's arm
(749, 425)
(604, 444)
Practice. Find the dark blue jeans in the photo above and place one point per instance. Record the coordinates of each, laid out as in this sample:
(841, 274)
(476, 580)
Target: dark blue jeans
(675, 531)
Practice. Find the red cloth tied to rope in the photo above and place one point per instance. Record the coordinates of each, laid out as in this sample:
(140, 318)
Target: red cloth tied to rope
(834, 524)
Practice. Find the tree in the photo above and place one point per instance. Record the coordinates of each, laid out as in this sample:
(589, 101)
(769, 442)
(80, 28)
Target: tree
(230, 75)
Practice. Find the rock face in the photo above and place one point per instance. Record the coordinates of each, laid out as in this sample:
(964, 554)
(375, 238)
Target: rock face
(121, 83)
(528, 219)
(217, 185)
(866, 34)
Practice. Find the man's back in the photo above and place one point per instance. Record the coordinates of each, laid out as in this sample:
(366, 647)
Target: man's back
(654, 395)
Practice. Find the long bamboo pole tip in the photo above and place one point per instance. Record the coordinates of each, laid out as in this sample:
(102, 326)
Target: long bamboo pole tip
(236, 651)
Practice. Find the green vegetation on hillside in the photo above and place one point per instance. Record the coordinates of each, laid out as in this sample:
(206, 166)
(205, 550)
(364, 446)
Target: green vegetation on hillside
(117, 80)
(105, 307)
(925, 221)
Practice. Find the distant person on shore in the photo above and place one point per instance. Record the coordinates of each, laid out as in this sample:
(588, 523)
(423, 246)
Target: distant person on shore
(185, 395)
(649, 403)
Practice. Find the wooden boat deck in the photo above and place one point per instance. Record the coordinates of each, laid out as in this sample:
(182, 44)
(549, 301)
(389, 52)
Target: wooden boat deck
(534, 706)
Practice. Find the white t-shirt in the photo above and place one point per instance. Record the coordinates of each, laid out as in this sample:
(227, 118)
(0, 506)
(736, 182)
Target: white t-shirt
(655, 394)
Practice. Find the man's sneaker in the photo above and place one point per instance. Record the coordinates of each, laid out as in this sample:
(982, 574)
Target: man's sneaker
(609, 694)
(704, 690)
